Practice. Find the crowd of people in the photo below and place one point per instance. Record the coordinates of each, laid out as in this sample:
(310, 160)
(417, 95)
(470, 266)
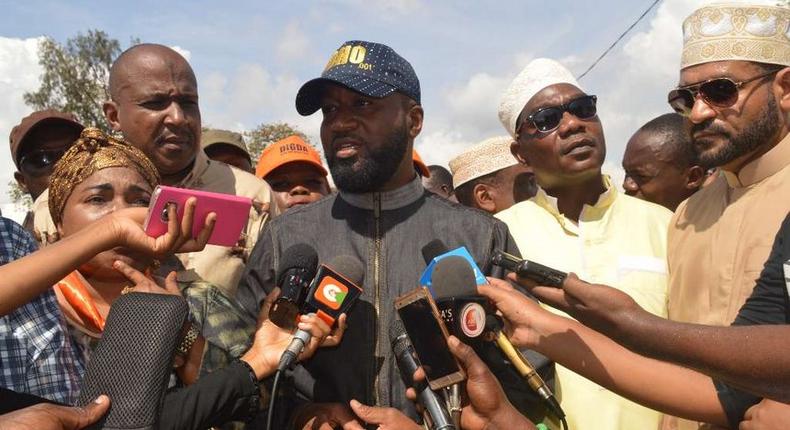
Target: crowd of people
(672, 316)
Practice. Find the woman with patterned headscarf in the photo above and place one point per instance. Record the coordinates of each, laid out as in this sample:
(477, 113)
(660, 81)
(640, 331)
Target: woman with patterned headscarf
(97, 176)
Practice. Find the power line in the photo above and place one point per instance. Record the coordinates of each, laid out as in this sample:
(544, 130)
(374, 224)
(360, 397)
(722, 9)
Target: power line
(630, 27)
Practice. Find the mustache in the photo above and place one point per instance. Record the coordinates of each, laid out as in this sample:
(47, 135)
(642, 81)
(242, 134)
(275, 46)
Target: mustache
(708, 126)
(347, 136)
(184, 133)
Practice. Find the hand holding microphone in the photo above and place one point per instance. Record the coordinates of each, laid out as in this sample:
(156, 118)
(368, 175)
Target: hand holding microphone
(600, 307)
(271, 341)
(485, 406)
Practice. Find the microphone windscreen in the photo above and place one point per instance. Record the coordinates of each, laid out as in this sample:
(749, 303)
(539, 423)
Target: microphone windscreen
(132, 361)
(452, 277)
(433, 249)
(399, 339)
(300, 255)
(349, 267)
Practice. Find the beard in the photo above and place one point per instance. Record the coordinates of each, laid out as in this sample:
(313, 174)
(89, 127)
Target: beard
(363, 174)
(752, 137)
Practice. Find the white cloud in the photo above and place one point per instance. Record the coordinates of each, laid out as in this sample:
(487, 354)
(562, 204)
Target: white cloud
(252, 95)
(19, 73)
(293, 43)
(184, 52)
(385, 7)
(438, 147)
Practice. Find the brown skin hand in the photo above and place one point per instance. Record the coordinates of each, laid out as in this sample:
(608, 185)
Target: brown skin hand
(567, 161)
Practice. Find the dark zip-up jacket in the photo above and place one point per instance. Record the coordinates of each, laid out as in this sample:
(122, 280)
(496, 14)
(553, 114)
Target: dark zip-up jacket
(386, 232)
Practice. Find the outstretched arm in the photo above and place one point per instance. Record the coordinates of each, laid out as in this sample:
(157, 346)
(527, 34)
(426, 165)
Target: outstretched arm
(655, 384)
(30, 276)
(752, 358)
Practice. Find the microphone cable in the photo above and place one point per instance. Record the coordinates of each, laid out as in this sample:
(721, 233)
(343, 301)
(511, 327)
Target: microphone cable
(272, 400)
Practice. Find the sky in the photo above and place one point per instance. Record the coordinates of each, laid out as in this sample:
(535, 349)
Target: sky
(251, 57)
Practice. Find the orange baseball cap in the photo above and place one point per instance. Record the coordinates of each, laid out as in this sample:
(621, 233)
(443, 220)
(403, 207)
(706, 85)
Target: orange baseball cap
(419, 165)
(285, 151)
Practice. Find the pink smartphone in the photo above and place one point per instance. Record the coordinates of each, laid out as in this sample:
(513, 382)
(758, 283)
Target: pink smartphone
(233, 212)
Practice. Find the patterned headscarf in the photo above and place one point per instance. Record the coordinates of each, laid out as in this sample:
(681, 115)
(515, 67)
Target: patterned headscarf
(93, 151)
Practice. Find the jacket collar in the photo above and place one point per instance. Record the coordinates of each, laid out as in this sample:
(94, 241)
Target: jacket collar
(390, 200)
(768, 164)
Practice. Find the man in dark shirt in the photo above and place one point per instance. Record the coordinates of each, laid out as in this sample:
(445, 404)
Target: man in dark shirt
(369, 97)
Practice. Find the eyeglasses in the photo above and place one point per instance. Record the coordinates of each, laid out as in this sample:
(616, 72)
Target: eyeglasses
(718, 92)
(548, 119)
(41, 161)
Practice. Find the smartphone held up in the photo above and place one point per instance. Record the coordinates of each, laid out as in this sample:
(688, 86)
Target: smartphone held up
(232, 213)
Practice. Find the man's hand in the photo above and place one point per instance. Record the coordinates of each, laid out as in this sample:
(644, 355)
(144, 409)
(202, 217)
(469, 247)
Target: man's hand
(326, 416)
(766, 415)
(271, 341)
(523, 317)
(488, 406)
(125, 228)
(600, 307)
(46, 416)
(385, 418)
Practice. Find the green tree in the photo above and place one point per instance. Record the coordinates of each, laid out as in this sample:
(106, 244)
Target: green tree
(265, 134)
(74, 79)
(75, 76)
(21, 199)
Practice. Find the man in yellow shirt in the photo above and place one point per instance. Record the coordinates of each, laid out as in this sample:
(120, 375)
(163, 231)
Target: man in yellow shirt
(578, 221)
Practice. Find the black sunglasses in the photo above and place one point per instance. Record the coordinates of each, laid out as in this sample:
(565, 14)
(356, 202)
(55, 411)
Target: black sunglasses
(40, 161)
(548, 119)
(718, 92)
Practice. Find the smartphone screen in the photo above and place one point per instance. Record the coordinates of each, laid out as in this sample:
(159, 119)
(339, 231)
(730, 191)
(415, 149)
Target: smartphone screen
(429, 341)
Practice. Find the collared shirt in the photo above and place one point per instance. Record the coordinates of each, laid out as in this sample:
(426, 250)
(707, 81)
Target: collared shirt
(36, 354)
(218, 265)
(720, 238)
(618, 241)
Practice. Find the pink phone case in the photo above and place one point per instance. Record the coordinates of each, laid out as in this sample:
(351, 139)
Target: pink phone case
(233, 212)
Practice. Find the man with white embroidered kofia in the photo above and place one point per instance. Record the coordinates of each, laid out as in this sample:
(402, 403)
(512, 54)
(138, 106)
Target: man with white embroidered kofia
(579, 222)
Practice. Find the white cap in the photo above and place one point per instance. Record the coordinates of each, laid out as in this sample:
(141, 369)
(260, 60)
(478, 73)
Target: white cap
(539, 74)
(488, 156)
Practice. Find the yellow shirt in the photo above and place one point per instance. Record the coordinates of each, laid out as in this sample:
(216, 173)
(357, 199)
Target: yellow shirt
(217, 265)
(719, 240)
(619, 241)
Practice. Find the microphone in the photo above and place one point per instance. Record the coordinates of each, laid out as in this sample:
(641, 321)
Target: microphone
(133, 359)
(463, 310)
(540, 274)
(456, 292)
(297, 269)
(434, 251)
(404, 356)
(332, 292)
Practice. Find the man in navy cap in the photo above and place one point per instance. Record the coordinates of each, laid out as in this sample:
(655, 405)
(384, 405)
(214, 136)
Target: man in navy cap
(369, 97)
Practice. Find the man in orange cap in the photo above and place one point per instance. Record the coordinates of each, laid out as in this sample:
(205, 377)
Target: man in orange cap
(294, 171)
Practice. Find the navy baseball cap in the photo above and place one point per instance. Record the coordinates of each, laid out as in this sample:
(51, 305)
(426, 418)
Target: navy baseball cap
(368, 68)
